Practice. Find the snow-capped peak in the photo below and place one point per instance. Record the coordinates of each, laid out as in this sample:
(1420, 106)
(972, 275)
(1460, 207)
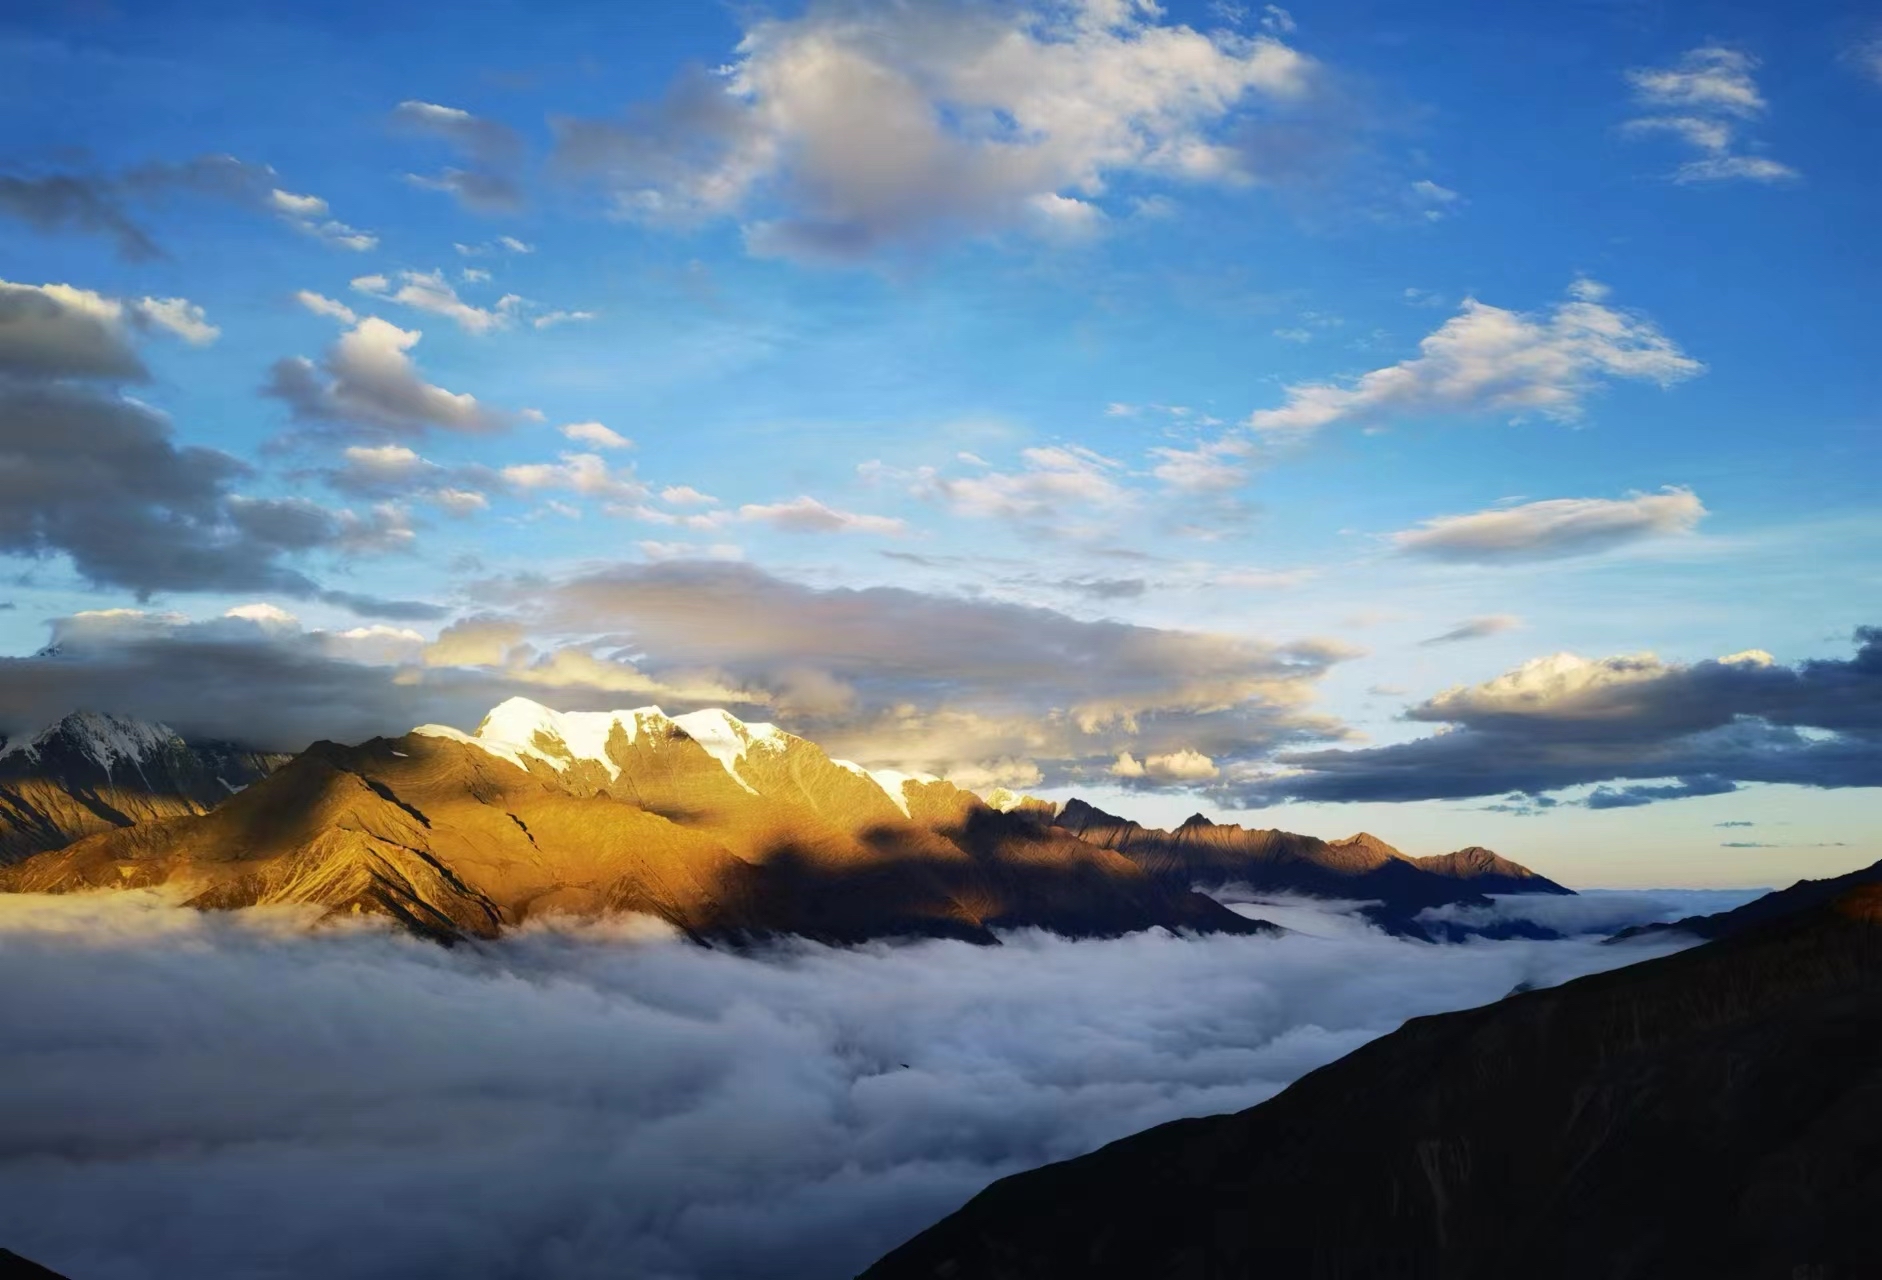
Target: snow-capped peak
(107, 740)
(519, 730)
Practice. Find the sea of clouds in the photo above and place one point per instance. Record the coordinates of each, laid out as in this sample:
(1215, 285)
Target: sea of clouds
(229, 1095)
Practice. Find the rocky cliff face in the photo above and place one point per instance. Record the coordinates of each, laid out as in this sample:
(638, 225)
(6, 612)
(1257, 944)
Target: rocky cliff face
(723, 829)
(91, 772)
(1715, 1113)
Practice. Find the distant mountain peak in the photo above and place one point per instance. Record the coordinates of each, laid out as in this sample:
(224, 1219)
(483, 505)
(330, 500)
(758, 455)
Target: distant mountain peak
(1195, 820)
(106, 740)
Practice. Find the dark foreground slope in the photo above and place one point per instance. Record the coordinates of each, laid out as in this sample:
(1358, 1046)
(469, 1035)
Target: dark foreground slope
(1772, 906)
(14, 1267)
(1716, 1113)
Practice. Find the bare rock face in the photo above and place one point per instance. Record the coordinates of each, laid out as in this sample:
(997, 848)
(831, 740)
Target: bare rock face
(1714, 1113)
(725, 830)
(91, 772)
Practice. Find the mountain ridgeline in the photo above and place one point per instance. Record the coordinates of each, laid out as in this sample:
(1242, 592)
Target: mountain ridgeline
(723, 829)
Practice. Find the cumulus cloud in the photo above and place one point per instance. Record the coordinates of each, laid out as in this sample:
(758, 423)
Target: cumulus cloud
(58, 331)
(430, 291)
(807, 515)
(585, 474)
(494, 148)
(1171, 766)
(596, 436)
(1058, 489)
(856, 128)
(94, 475)
(1489, 360)
(343, 1102)
(1706, 100)
(1665, 729)
(1494, 624)
(369, 381)
(1553, 529)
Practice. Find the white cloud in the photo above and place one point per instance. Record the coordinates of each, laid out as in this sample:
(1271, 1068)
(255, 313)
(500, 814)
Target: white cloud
(854, 128)
(179, 316)
(460, 502)
(1489, 360)
(1179, 766)
(502, 244)
(1705, 100)
(596, 436)
(1060, 485)
(661, 552)
(430, 291)
(1208, 468)
(57, 330)
(549, 319)
(586, 474)
(1553, 528)
(311, 216)
(338, 1104)
(807, 515)
(321, 305)
(370, 381)
(684, 495)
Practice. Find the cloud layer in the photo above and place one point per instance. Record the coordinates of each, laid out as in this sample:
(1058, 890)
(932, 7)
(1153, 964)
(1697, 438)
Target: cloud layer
(219, 1096)
(1566, 721)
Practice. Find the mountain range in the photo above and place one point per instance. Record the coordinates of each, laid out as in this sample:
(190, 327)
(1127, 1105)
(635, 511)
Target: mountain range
(1715, 1113)
(89, 773)
(725, 830)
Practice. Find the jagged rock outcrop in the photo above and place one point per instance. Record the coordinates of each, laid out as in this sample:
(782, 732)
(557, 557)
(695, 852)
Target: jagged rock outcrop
(1714, 1113)
(91, 772)
(723, 829)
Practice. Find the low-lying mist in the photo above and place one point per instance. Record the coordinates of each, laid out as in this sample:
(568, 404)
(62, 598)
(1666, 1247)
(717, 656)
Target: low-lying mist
(221, 1096)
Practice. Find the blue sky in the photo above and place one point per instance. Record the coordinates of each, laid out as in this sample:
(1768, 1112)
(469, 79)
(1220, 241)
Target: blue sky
(1210, 386)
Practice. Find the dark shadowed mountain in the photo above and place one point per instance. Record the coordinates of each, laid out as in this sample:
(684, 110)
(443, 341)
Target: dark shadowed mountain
(1209, 855)
(90, 772)
(1715, 1113)
(1772, 906)
(723, 829)
(14, 1267)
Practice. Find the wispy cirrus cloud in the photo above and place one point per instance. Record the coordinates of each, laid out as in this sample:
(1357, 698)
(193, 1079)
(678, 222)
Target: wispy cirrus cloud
(1707, 100)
